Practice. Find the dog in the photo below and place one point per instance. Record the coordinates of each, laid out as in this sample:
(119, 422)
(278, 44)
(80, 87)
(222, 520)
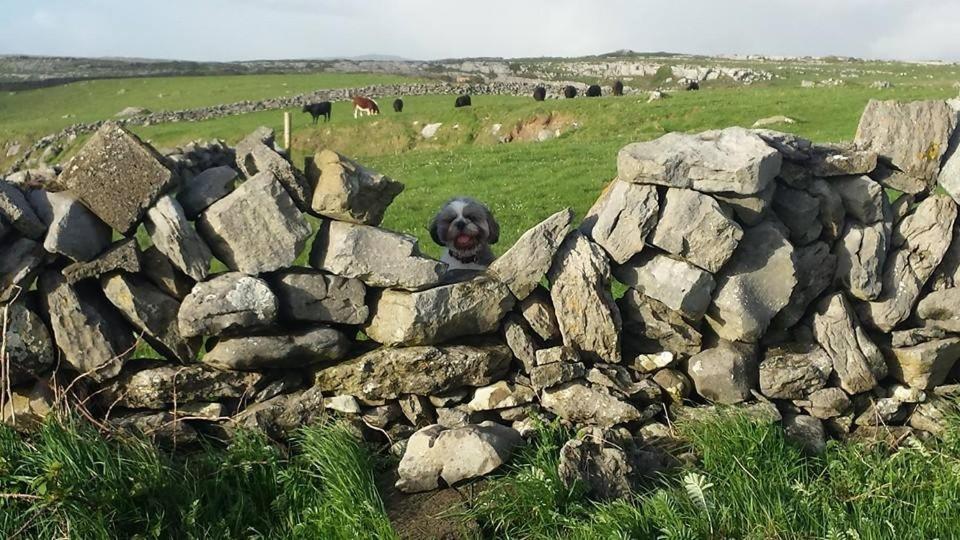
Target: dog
(466, 229)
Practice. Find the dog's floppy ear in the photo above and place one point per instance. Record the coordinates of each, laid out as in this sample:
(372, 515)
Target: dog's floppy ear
(493, 226)
(434, 233)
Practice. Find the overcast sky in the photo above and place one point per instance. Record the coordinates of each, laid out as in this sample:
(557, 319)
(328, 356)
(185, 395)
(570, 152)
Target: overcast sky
(428, 29)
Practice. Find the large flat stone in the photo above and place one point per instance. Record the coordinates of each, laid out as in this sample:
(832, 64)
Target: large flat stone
(693, 226)
(729, 160)
(926, 365)
(257, 228)
(280, 351)
(375, 256)
(307, 295)
(582, 404)
(230, 302)
(174, 237)
(856, 359)
(524, 265)
(154, 385)
(16, 210)
(346, 191)
(622, 218)
(122, 256)
(678, 284)
(73, 230)
(117, 176)
(436, 315)
(206, 188)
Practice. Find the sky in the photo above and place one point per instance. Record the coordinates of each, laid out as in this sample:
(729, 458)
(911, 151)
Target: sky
(431, 29)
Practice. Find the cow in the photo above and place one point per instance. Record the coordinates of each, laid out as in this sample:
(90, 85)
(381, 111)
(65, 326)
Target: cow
(569, 92)
(364, 105)
(539, 93)
(693, 85)
(618, 88)
(398, 105)
(462, 101)
(593, 90)
(317, 110)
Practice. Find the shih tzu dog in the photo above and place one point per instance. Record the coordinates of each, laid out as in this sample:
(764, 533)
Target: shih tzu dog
(466, 228)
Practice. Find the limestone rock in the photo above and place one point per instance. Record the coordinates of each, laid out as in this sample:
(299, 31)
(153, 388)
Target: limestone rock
(926, 365)
(16, 210)
(861, 252)
(726, 373)
(694, 227)
(651, 327)
(674, 384)
(21, 260)
(155, 385)
(603, 469)
(754, 286)
(943, 307)
(862, 198)
(117, 176)
(255, 229)
(856, 359)
(521, 341)
(500, 395)
(161, 427)
(435, 315)
(826, 403)
(346, 191)
(800, 212)
(806, 432)
(816, 268)
(622, 218)
(916, 336)
(749, 209)
(580, 288)
(580, 404)
(73, 230)
(152, 312)
(227, 303)
(832, 211)
(386, 373)
(933, 415)
(281, 415)
(206, 188)
(26, 343)
(454, 455)
(173, 236)
(728, 160)
(677, 284)
(523, 266)
(794, 372)
(291, 350)
(555, 373)
(376, 257)
(947, 275)
(538, 312)
(28, 407)
(260, 158)
(310, 296)
(831, 160)
(122, 256)
(162, 273)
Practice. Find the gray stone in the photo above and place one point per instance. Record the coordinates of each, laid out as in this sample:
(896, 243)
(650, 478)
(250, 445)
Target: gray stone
(435, 315)
(310, 296)
(27, 408)
(861, 252)
(555, 373)
(677, 284)
(386, 373)
(73, 230)
(260, 158)
(376, 257)
(162, 273)
(726, 373)
(291, 350)
(555, 355)
(418, 410)
(523, 266)
(816, 268)
(16, 210)
(500, 395)
(93, 337)
(117, 176)
(898, 180)
(581, 404)
(832, 211)
(749, 209)
(622, 218)
(4, 227)
(601, 468)
(346, 191)
(754, 286)
(229, 302)
(807, 432)
(20, 262)
(155, 385)
(27, 345)
(161, 427)
(913, 136)
(262, 135)
(122, 256)
(920, 242)
(856, 359)
(916, 336)
(521, 341)
(947, 275)
(792, 147)
(674, 384)
(255, 229)
(651, 327)
(580, 289)
(206, 188)
(380, 417)
(454, 455)
(281, 415)
(173, 236)
(794, 372)
(800, 212)
(926, 365)
(693, 226)
(934, 415)
(882, 412)
(538, 312)
(728, 160)
(862, 198)
(826, 403)
(833, 160)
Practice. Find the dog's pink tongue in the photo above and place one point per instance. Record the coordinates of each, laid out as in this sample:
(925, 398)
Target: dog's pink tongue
(463, 240)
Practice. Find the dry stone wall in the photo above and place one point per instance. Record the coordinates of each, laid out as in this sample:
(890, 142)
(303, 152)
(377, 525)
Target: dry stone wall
(762, 270)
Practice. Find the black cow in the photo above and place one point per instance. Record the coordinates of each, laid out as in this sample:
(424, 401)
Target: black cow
(618, 88)
(693, 85)
(398, 105)
(539, 93)
(317, 110)
(569, 92)
(462, 101)
(593, 90)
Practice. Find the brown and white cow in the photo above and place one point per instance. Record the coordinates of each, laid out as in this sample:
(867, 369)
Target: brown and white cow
(363, 105)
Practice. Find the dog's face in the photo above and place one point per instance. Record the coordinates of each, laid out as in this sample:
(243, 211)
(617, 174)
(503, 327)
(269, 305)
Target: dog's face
(464, 226)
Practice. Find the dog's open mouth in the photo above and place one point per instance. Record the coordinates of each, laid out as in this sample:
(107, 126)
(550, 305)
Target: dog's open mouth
(465, 242)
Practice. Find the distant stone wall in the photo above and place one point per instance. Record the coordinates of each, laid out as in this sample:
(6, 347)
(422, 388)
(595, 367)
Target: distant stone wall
(763, 271)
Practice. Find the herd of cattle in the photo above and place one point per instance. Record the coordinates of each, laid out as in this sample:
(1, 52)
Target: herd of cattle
(367, 106)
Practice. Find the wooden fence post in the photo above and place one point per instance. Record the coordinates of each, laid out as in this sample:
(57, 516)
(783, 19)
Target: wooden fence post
(286, 130)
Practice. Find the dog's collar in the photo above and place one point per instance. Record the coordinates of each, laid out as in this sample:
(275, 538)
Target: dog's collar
(465, 260)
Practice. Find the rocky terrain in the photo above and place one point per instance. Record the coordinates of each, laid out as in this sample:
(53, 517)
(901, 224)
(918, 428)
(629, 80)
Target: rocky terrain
(763, 271)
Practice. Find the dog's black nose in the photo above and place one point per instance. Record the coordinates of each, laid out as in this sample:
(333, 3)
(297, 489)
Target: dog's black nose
(460, 224)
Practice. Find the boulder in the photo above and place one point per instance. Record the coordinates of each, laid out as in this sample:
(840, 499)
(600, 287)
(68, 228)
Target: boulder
(346, 191)
(794, 372)
(255, 229)
(173, 236)
(677, 284)
(436, 315)
(726, 373)
(94, 339)
(20, 262)
(523, 266)
(729, 160)
(651, 327)
(622, 218)
(856, 359)
(122, 256)
(151, 384)
(117, 176)
(376, 257)
(816, 268)
(500, 395)
(580, 289)
(263, 135)
(307, 295)
(920, 242)
(926, 365)
(290, 350)
(386, 373)
(581, 404)
(73, 231)
(912, 136)
(152, 312)
(538, 312)
(693, 226)
(229, 302)
(863, 199)
(521, 341)
(454, 455)
(16, 210)
(861, 252)
(754, 286)
(800, 212)
(26, 343)
(206, 188)
(916, 336)
(254, 159)
(162, 273)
